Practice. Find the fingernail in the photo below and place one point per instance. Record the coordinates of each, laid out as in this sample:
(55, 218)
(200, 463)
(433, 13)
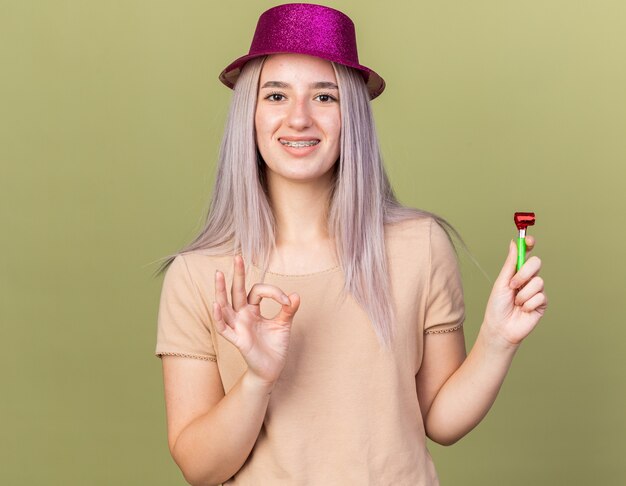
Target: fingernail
(285, 300)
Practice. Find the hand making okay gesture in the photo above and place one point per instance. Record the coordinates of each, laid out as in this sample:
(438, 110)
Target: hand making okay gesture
(263, 342)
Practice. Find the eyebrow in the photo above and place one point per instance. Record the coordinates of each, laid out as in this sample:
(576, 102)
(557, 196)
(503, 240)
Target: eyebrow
(318, 85)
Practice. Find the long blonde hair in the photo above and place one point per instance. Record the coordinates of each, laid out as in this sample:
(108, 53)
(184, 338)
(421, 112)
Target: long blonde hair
(240, 220)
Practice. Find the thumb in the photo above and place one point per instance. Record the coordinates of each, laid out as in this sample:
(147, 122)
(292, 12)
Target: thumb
(510, 266)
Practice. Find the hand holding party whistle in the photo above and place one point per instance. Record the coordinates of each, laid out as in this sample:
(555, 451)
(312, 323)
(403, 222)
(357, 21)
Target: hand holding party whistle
(518, 299)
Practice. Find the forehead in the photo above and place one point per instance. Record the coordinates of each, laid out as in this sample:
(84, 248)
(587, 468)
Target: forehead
(282, 67)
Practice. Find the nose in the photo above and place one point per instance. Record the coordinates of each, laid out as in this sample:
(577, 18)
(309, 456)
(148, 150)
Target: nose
(299, 115)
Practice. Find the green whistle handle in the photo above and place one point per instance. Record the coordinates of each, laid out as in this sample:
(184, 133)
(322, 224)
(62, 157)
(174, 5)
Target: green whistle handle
(521, 252)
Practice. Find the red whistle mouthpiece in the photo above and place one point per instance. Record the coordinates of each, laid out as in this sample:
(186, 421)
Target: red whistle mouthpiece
(523, 220)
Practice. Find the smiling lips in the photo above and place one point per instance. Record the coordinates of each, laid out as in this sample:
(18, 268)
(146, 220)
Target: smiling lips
(297, 143)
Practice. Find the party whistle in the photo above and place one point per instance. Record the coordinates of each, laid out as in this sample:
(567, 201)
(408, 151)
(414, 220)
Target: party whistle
(522, 221)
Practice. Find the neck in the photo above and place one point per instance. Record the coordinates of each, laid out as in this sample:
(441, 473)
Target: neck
(301, 210)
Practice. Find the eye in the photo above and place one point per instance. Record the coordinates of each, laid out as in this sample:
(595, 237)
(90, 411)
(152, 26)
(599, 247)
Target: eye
(273, 94)
(326, 95)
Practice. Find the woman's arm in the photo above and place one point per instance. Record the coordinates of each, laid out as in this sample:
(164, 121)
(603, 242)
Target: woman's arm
(516, 304)
(221, 430)
(469, 392)
(214, 446)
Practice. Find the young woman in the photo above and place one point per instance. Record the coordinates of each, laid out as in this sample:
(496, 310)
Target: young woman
(340, 345)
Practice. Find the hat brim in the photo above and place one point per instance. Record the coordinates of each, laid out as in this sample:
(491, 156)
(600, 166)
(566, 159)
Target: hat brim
(375, 84)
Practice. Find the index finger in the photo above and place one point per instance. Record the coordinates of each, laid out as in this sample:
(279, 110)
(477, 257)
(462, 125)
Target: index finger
(238, 287)
(260, 291)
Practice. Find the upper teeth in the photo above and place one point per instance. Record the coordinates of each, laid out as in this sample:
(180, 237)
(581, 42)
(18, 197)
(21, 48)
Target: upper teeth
(302, 143)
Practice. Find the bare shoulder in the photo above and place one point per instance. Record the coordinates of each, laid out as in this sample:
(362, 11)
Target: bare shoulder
(192, 387)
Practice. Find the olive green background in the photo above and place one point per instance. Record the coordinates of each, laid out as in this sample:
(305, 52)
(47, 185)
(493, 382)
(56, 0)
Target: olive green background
(110, 120)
